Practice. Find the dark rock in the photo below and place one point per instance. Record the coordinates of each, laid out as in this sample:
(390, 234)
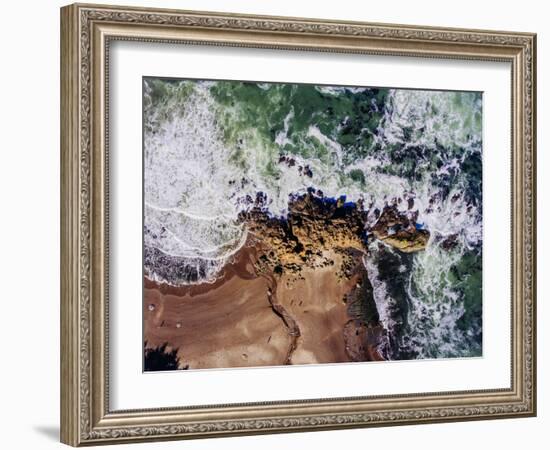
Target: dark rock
(400, 231)
(449, 242)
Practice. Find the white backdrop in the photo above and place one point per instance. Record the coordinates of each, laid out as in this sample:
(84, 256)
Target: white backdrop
(29, 182)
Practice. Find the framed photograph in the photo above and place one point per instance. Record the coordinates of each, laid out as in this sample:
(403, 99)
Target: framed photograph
(278, 224)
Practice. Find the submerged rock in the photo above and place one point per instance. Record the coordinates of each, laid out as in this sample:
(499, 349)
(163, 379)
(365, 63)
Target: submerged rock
(400, 231)
(450, 242)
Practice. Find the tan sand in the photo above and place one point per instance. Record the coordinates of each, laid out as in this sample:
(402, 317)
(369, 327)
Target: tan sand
(226, 324)
(245, 319)
(316, 304)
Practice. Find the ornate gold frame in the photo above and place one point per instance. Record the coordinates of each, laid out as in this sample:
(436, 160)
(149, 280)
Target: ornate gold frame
(86, 31)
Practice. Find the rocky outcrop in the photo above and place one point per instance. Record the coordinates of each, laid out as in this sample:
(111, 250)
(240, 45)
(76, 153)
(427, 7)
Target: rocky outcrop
(314, 226)
(400, 231)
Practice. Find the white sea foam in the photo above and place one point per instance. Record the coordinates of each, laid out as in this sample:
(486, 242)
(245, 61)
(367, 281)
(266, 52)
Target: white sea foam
(282, 136)
(435, 307)
(433, 117)
(186, 168)
(337, 90)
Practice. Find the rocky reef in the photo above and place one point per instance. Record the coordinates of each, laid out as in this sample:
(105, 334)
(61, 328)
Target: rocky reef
(316, 225)
(400, 230)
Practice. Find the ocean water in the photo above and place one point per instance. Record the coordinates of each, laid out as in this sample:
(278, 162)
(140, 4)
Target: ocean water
(211, 146)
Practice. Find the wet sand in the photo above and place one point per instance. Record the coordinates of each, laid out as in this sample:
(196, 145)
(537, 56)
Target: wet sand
(246, 319)
(316, 304)
(229, 323)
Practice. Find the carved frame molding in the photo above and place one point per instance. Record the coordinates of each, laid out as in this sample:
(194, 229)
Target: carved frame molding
(86, 31)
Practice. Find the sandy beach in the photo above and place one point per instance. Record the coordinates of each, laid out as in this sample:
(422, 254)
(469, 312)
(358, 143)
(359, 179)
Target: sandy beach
(246, 320)
(229, 323)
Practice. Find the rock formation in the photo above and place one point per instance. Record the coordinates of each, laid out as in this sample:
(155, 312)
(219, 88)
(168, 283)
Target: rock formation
(400, 231)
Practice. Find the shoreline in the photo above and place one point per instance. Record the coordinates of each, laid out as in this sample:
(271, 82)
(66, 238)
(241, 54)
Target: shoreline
(297, 292)
(245, 319)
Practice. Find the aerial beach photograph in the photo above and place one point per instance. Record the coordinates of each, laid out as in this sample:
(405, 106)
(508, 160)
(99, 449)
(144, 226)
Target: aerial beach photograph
(290, 224)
